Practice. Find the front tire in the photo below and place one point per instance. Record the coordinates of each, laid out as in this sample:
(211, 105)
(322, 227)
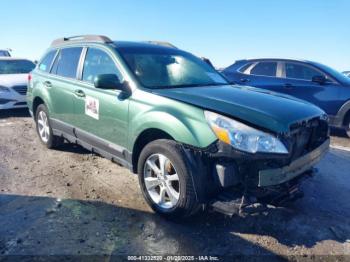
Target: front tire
(44, 129)
(347, 125)
(165, 180)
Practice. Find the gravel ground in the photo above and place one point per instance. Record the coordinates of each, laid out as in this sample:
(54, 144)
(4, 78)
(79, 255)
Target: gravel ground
(70, 202)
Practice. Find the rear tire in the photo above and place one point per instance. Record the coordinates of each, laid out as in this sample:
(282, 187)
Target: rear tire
(44, 130)
(165, 180)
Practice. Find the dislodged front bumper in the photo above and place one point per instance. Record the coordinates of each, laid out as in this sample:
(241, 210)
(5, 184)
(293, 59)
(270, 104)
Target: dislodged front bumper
(271, 177)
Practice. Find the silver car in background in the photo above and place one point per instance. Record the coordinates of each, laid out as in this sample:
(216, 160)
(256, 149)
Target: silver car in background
(13, 82)
(4, 52)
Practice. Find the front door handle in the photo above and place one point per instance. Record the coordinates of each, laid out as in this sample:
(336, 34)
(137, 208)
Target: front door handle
(244, 80)
(47, 84)
(288, 86)
(79, 93)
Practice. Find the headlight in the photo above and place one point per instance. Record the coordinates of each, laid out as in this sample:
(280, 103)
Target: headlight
(243, 137)
(4, 89)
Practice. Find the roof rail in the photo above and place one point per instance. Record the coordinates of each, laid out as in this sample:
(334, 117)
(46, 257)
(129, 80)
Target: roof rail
(162, 43)
(82, 38)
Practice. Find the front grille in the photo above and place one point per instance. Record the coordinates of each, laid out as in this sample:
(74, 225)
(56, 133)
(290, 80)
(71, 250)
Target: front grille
(21, 104)
(307, 136)
(20, 89)
(4, 101)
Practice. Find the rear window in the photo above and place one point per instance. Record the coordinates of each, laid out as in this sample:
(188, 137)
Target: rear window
(66, 62)
(16, 66)
(265, 69)
(46, 62)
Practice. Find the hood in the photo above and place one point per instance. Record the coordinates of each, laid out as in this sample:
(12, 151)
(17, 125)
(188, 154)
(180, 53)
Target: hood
(13, 80)
(262, 108)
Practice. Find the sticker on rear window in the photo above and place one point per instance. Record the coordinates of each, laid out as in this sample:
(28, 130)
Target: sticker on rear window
(92, 107)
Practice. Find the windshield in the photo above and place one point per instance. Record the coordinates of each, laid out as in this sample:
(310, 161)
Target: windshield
(4, 53)
(16, 66)
(157, 67)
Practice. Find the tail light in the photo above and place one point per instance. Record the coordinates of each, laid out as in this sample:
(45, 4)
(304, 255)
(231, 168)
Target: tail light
(30, 84)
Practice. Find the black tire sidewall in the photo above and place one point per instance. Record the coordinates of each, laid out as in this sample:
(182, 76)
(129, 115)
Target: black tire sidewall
(50, 142)
(347, 125)
(187, 201)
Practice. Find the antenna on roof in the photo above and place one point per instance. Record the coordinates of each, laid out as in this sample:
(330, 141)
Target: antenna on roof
(82, 38)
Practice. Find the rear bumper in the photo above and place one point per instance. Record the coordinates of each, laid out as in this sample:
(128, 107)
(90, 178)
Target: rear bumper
(271, 177)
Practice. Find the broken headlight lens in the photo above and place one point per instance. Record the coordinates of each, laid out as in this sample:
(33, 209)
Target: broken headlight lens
(243, 137)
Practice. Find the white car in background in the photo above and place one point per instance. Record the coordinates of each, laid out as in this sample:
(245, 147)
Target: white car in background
(13, 82)
(347, 73)
(4, 52)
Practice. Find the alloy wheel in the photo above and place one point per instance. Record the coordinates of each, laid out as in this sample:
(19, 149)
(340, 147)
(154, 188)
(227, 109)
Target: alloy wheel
(161, 181)
(43, 126)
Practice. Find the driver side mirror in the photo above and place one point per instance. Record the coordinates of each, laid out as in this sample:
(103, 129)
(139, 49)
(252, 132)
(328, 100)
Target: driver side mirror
(111, 81)
(319, 79)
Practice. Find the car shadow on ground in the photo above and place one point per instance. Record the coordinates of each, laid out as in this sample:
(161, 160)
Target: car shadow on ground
(72, 148)
(32, 225)
(322, 215)
(20, 112)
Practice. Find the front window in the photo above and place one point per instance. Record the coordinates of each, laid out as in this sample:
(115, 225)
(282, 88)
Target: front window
(302, 72)
(16, 66)
(97, 62)
(165, 67)
(4, 53)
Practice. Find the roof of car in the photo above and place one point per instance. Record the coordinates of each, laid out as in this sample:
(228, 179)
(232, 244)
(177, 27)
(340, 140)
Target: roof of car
(274, 59)
(146, 44)
(106, 40)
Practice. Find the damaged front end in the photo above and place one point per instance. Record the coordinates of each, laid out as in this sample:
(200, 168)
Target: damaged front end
(240, 182)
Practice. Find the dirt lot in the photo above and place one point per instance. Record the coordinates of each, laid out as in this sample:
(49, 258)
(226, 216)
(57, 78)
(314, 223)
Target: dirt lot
(70, 202)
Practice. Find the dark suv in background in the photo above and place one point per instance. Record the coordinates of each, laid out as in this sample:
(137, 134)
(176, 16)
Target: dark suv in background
(310, 81)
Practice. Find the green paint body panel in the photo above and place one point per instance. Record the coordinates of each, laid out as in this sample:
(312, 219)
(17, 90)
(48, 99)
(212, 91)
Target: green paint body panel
(268, 110)
(178, 112)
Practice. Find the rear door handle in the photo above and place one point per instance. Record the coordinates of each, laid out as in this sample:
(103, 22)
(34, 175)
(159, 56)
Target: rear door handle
(79, 93)
(244, 80)
(47, 84)
(288, 86)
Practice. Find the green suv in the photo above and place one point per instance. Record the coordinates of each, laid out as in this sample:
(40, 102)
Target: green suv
(193, 139)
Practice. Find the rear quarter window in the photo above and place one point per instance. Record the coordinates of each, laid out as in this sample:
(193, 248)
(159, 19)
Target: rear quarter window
(244, 68)
(46, 62)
